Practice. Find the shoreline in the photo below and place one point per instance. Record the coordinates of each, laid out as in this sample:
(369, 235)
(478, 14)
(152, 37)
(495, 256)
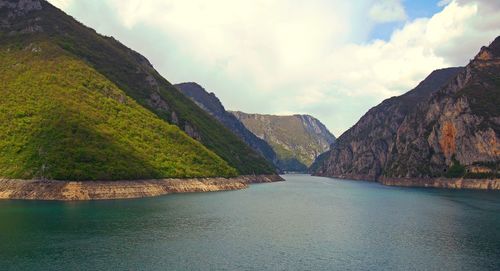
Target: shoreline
(121, 189)
(445, 183)
(441, 183)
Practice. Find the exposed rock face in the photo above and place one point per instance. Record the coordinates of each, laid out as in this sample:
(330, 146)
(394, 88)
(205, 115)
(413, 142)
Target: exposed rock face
(459, 126)
(297, 139)
(211, 104)
(100, 190)
(11, 9)
(447, 126)
(20, 6)
(191, 131)
(363, 150)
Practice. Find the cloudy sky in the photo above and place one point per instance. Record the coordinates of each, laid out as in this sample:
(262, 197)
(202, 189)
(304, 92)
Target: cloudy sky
(333, 59)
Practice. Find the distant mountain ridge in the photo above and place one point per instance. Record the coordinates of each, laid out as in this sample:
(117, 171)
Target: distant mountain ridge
(211, 104)
(448, 126)
(297, 139)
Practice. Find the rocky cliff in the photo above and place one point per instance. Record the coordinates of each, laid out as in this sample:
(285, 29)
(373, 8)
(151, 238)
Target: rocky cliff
(455, 133)
(297, 140)
(362, 151)
(446, 127)
(211, 104)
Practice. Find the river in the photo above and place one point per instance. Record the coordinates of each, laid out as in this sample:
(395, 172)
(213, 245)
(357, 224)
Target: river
(305, 223)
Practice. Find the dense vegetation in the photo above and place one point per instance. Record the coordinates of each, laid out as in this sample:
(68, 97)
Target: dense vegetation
(132, 73)
(61, 119)
(456, 170)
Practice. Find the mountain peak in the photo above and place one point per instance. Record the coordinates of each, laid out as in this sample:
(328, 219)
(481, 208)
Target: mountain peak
(489, 52)
(204, 99)
(495, 45)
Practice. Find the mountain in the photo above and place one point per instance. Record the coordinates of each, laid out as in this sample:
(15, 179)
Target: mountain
(447, 127)
(211, 104)
(297, 140)
(361, 152)
(38, 27)
(61, 119)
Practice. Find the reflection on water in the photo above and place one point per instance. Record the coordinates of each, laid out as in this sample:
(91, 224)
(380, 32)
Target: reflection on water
(306, 223)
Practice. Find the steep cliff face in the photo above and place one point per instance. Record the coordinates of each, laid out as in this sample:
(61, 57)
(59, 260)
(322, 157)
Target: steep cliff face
(363, 150)
(297, 140)
(447, 126)
(456, 133)
(25, 23)
(211, 104)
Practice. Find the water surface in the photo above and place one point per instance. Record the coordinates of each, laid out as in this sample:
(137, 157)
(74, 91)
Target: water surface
(305, 223)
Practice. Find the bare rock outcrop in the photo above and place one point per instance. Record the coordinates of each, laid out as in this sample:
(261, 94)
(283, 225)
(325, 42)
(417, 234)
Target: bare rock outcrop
(447, 127)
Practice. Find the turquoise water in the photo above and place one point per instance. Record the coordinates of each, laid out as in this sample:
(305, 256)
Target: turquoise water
(306, 223)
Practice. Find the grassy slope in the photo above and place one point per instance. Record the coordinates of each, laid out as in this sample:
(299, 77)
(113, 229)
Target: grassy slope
(128, 71)
(61, 119)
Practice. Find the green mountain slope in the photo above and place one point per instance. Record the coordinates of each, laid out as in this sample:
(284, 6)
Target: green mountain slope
(132, 73)
(61, 119)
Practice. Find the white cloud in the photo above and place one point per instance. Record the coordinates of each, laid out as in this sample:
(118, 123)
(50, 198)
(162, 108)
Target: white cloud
(294, 56)
(443, 3)
(272, 42)
(62, 4)
(388, 68)
(384, 11)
